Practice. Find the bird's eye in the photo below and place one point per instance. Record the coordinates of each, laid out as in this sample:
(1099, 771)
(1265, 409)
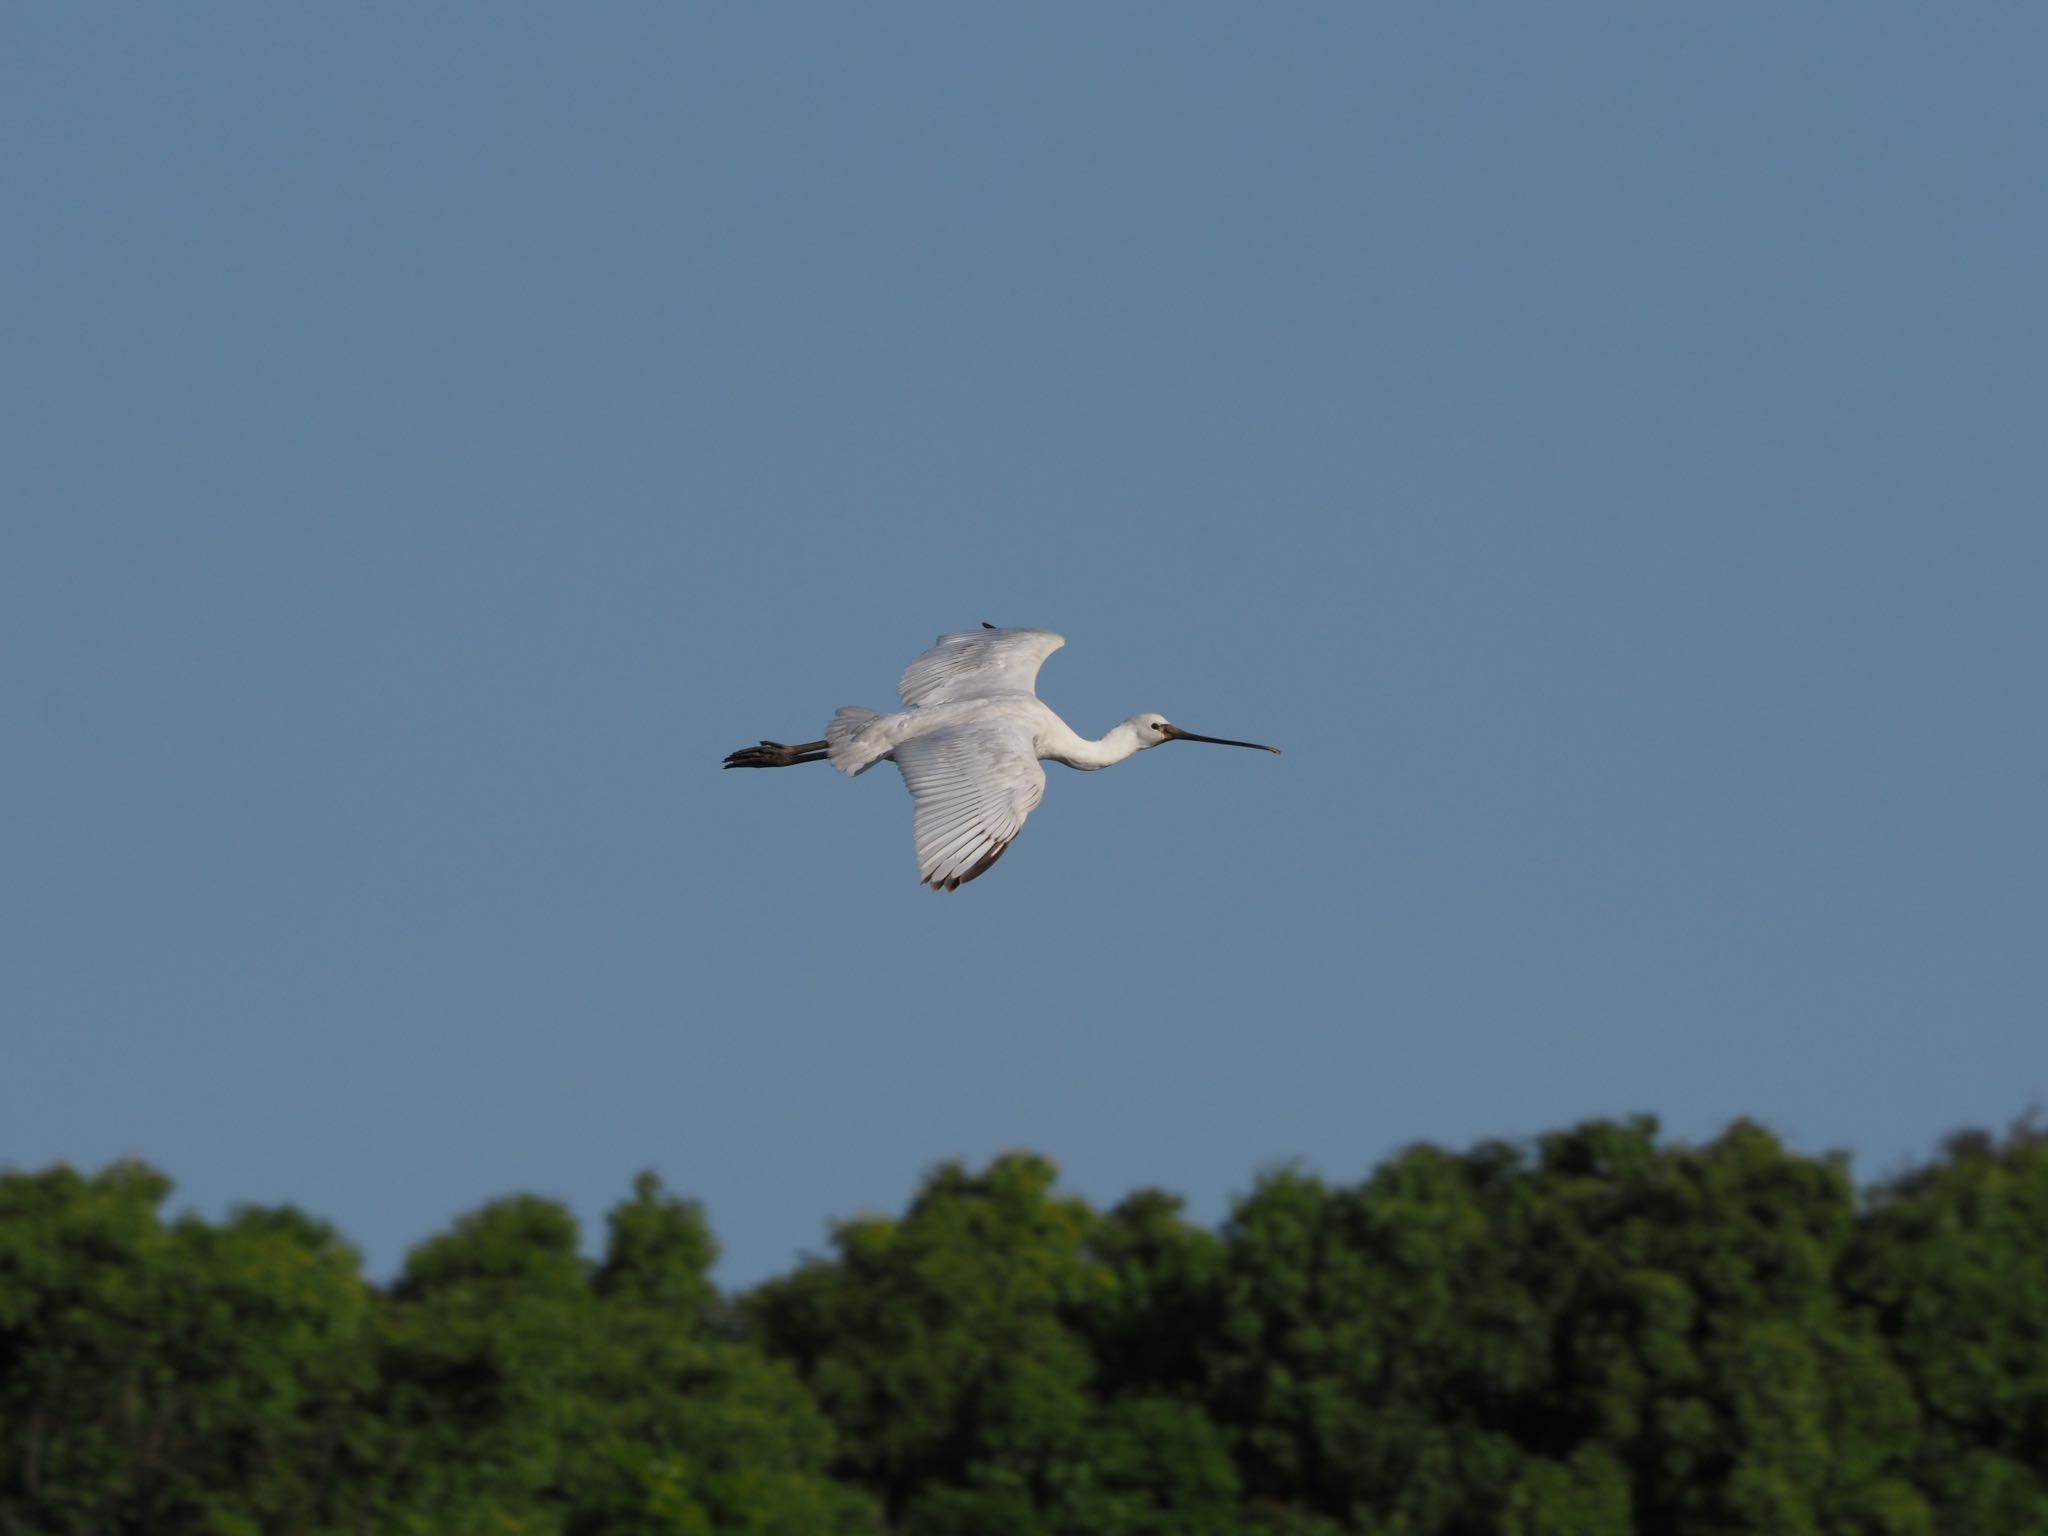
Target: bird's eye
(1159, 725)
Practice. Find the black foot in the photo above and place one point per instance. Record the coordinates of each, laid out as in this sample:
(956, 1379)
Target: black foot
(774, 754)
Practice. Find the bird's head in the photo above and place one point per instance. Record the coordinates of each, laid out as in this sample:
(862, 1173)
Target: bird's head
(1157, 730)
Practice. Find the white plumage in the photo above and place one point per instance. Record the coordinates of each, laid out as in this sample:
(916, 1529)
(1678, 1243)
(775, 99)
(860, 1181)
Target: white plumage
(977, 664)
(974, 784)
(969, 744)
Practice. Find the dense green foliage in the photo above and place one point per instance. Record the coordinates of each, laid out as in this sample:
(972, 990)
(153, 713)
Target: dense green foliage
(244, 1378)
(1597, 1334)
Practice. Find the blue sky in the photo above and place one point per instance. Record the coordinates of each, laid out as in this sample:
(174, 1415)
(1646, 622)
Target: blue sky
(1603, 447)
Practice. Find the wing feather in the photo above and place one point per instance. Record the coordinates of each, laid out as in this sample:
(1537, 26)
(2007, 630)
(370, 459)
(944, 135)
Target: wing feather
(974, 784)
(978, 663)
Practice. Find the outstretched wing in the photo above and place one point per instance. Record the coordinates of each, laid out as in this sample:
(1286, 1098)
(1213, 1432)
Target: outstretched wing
(974, 785)
(978, 663)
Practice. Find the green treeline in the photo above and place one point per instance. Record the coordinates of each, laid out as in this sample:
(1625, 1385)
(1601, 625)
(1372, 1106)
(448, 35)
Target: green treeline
(1597, 1334)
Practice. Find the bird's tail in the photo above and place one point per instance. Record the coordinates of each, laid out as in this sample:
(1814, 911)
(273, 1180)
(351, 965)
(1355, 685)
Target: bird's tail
(844, 747)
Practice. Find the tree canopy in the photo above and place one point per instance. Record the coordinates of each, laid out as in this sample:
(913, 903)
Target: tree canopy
(1599, 1333)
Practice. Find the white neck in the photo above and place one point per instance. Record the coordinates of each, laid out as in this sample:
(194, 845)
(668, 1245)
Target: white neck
(1077, 751)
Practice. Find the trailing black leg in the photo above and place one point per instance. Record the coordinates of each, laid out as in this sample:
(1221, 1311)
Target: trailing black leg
(775, 754)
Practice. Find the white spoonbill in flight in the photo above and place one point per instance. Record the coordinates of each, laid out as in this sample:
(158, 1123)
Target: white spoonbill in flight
(969, 744)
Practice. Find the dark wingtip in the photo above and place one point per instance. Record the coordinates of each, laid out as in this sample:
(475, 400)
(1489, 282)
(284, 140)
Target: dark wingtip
(980, 867)
(986, 625)
(985, 863)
